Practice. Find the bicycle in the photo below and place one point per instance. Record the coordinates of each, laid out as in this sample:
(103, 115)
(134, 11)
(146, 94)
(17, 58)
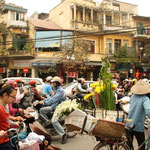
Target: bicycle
(111, 136)
(112, 143)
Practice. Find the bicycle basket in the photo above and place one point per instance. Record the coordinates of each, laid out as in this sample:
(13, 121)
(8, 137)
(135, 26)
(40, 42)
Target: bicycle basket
(111, 129)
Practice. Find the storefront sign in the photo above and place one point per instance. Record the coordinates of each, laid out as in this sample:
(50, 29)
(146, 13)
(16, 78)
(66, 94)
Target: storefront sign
(22, 63)
(2, 70)
(72, 74)
(42, 64)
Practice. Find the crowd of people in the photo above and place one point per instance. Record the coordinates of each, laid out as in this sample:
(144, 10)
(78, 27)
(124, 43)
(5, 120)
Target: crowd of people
(13, 91)
(53, 94)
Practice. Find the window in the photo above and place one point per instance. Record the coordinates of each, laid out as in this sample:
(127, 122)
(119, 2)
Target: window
(116, 21)
(81, 15)
(89, 16)
(17, 16)
(117, 44)
(126, 43)
(72, 13)
(4, 40)
(108, 20)
(12, 16)
(91, 46)
(109, 46)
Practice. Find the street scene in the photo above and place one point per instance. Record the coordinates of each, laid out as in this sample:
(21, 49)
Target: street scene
(74, 74)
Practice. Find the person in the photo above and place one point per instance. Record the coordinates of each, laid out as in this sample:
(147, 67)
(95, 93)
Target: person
(139, 108)
(80, 88)
(51, 103)
(36, 93)
(7, 96)
(13, 111)
(20, 92)
(47, 89)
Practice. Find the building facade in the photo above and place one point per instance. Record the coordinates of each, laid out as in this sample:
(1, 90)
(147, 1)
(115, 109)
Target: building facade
(107, 25)
(14, 39)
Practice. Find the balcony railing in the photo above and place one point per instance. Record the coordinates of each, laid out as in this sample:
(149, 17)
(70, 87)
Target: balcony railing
(18, 23)
(17, 53)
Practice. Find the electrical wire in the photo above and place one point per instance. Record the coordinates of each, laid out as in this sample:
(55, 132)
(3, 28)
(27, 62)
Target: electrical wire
(66, 37)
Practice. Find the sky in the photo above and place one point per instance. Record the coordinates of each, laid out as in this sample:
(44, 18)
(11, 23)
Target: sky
(46, 5)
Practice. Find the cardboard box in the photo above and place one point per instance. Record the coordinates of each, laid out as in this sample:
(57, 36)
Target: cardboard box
(77, 118)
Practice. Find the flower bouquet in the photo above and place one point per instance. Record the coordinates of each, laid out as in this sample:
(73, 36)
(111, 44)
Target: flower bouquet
(65, 108)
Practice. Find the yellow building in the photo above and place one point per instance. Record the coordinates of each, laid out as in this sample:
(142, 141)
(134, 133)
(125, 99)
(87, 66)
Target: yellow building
(104, 24)
(13, 49)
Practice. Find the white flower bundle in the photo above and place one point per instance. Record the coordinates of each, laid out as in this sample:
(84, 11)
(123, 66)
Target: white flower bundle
(65, 108)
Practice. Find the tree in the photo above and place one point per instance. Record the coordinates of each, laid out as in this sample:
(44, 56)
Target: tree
(74, 54)
(125, 55)
(146, 56)
(2, 2)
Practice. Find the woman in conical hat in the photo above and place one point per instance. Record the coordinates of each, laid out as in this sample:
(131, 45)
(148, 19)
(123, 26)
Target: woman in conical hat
(139, 108)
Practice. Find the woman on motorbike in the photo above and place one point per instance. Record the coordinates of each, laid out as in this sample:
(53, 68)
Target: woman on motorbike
(7, 96)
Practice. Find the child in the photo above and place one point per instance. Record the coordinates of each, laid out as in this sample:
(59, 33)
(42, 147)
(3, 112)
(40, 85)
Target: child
(7, 96)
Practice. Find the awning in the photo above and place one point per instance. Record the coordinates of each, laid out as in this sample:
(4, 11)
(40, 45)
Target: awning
(42, 64)
(93, 63)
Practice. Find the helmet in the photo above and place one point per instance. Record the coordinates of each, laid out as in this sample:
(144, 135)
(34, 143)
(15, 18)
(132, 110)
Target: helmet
(32, 82)
(49, 78)
(56, 79)
(12, 83)
(81, 80)
(145, 79)
(19, 81)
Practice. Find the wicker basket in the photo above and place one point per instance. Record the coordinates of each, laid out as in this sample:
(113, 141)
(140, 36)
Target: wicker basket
(72, 128)
(111, 129)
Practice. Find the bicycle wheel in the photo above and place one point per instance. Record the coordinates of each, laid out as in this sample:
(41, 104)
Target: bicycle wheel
(107, 146)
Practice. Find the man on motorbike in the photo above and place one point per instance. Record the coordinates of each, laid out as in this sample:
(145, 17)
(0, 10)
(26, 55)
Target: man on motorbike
(36, 93)
(80, 88)
(47, 87)
(50, 105)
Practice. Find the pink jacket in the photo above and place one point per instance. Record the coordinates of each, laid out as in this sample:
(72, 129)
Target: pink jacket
(12, 110)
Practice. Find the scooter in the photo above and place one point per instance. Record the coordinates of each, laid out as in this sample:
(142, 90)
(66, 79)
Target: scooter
(49, 128)
(33, 125)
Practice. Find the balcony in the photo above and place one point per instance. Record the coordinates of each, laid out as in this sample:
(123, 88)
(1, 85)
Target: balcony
(17, 23)
(142, 33)
(13, 53)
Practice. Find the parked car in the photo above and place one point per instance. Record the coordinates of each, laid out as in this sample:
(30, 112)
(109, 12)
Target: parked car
(70, 87)
(26, 80)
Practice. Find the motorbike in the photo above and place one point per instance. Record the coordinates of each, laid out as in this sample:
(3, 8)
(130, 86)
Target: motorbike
(32, 125)
(49, 128)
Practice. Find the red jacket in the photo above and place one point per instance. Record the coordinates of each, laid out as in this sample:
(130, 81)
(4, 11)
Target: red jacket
(4, 122)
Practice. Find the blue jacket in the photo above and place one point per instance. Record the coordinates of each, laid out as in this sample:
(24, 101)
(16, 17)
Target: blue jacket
(139, 108)
(56, 98)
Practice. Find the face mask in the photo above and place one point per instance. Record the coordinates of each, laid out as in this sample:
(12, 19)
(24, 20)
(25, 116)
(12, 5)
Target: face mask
(19, 85)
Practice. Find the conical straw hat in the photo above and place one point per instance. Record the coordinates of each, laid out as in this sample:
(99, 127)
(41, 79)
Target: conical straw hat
(141, 88)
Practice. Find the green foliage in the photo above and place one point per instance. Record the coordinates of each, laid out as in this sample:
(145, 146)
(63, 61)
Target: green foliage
(2, 2)
(146, 57)
(107, 99)
(125, 55)
(28, 46)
